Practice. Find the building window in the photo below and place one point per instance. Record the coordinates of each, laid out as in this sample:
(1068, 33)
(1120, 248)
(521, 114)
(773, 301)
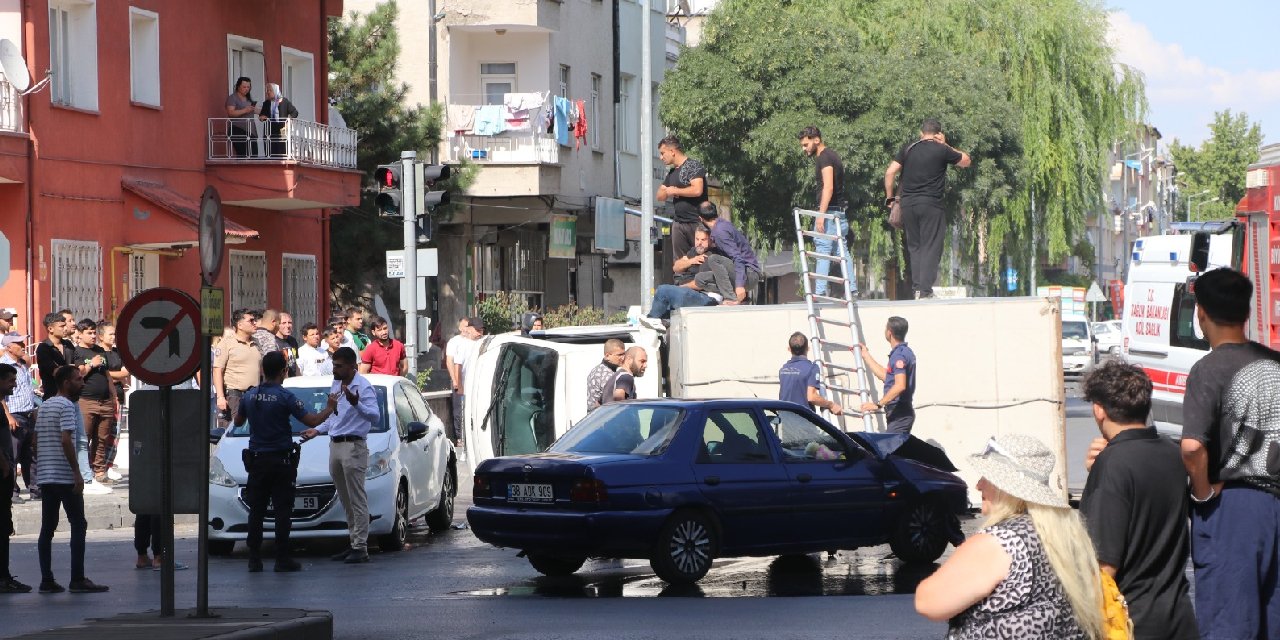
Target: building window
(144, 273)
(77, 278)
(564, 81)
(244, 58)
(144, 56)
(298, 81)
(73, 53)
(299, 288)
(496, 80)
(594, 125)
(627, 138)
(248, 280)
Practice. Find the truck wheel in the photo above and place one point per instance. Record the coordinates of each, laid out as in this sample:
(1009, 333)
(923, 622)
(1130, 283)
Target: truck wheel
(685, 548)
(922, 533)
(554, 565)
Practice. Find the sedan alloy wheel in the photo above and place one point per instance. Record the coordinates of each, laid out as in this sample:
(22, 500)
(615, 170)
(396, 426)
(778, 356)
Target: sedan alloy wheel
(685, 548)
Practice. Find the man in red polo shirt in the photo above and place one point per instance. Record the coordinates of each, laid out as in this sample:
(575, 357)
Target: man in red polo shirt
(385, 354)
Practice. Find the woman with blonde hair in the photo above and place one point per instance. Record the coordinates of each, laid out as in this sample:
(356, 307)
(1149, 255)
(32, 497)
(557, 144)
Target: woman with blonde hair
(1031, 572)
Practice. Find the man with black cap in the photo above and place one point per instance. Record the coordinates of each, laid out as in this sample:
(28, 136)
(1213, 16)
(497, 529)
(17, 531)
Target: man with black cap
(272, 457)
(6, 320)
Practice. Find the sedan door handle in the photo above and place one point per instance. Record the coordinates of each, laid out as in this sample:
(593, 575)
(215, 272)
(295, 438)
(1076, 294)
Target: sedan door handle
(804, 477)
(712, 480)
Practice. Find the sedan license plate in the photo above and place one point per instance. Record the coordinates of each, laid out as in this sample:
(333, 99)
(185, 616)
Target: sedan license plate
(530, 493)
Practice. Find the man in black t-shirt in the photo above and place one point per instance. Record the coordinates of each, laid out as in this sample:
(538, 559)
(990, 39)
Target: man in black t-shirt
(828, 175)
(1135, 505)
(53, 352)
(1231, 449)
(923, 164)
(686, 187)
(623, 384)
(97, 399)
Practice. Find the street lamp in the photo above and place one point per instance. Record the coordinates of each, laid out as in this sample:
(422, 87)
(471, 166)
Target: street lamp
(1201, 204)
(1193, 197)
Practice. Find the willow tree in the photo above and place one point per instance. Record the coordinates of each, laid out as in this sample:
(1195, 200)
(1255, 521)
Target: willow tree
(1044, 66)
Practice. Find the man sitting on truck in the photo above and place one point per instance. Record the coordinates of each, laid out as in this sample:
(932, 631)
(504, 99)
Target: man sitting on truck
(702, 279)
(729, 241)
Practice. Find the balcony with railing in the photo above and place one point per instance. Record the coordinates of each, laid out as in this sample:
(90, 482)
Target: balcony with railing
(10, 107)
(13, 139)
(304, 165)
(510, 143)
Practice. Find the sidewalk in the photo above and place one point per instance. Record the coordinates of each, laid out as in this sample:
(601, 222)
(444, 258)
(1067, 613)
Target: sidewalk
(283, 624)
(110, 511)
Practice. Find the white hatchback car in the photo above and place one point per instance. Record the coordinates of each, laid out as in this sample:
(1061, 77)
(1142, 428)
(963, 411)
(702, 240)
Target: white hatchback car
(413, 472)
(1109, 335)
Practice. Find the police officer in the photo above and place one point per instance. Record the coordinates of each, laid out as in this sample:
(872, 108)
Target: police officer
(272, 457)
(798, 379)
(899, 379)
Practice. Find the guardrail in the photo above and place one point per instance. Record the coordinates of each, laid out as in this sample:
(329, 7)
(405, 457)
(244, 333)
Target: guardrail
(303, 141)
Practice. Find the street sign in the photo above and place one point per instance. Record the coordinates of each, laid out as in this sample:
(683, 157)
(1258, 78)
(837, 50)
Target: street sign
(1095, 294)
(421, 297)
(212, 317)
(428, 263)
(213, 236)
(159, 331)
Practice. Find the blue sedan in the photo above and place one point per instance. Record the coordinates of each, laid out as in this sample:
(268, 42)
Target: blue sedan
(682, 482)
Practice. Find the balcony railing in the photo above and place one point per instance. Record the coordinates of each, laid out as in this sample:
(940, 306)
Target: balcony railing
(10, 106)
(302, 141)
(513, 148)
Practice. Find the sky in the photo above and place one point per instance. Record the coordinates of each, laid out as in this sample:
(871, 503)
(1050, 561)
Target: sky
(1201, 57)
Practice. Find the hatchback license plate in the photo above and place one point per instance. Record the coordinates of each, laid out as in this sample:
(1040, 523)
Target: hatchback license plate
(308, 502)
(530, 493)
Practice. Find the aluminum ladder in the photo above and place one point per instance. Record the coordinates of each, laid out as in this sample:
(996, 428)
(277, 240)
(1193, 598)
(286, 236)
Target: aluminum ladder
(822, 345)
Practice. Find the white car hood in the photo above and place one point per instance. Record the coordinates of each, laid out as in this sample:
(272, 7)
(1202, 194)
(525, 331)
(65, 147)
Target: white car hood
(313, 468)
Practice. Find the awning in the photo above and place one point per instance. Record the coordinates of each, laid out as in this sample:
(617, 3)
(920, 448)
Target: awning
(186, 210)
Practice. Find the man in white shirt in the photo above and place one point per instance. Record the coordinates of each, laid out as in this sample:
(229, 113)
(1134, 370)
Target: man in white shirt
(347, 429)
(456, 352)
(314, 358)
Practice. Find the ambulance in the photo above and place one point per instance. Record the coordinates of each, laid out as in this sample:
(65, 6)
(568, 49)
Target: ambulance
(1160, 331)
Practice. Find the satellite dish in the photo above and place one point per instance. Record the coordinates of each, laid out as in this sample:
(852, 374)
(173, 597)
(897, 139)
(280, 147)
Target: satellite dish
(15, 67)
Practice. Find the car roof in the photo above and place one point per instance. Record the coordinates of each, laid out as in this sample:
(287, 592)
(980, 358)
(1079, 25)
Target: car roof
(375, 379)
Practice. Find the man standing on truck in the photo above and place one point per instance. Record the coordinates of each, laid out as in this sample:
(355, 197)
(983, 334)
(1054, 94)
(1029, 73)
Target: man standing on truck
(923, 164)
(1230, 430)
(899, 378)
(799, 380)
(829, 176)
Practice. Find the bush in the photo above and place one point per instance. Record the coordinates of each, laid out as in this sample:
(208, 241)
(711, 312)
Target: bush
(501, 312)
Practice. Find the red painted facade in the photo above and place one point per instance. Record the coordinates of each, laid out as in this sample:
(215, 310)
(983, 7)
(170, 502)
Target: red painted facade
(129, 176)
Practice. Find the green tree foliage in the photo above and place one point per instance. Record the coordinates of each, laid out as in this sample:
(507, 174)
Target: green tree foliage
(1028, 89)
(362, 55)
(1218, 166)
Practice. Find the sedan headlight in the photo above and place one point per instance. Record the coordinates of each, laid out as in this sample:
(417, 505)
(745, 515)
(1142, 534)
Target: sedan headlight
(379, 464)
(218, 474)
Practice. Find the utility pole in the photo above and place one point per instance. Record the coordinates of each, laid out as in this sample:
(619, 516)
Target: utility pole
(646, 158)
(431, 89)
(409, 208)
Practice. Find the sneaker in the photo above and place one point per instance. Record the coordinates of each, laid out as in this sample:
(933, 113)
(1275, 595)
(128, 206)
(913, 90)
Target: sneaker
(33, 494)
(342, 555)
(11, 585)
(102, 478)
(85, 585)
(177, 566)
(112, 474)
(357, 556)
(653, 323)
(50, 586)
(255, 565)
(96, 488)
(17, 499)
(288, 565)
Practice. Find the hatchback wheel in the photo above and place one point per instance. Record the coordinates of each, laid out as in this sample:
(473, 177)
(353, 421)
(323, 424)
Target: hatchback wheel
(442, 516)
(395, 540)
(922, 533)
(221, 547)
(685, 548)
(555, 565)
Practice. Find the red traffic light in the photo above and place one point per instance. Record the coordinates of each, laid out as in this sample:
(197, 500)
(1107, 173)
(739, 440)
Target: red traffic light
(387, 176)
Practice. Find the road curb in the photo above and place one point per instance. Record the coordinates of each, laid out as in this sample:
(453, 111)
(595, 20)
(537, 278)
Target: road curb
(110, 511)
(230, 624)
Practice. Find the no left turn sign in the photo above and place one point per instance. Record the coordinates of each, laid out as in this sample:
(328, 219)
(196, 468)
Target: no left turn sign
(159, 336)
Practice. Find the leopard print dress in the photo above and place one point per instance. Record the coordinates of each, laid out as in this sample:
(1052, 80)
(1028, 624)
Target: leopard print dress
(1028, 603)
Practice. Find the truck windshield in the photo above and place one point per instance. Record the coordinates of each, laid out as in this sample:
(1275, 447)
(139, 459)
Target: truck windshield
(524, 395)
(1077, 330)
(622, 428)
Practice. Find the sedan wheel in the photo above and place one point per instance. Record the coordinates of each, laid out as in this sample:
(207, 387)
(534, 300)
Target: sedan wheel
(923, 532)
(685, 548)
(442, 516)
(555, 566)
(395, 540)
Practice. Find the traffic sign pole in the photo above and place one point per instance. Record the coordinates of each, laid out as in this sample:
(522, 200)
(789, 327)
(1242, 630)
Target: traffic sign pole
(410, 210)
(202, 546)
(166, 498)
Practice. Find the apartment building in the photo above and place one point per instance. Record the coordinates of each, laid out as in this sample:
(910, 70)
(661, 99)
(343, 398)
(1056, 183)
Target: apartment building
(104, 159)
(501, 68)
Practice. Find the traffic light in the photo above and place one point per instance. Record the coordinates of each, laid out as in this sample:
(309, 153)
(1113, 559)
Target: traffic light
(388, 176)
(428, 176)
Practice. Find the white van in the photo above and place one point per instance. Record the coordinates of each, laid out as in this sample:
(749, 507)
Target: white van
(1079, 351)
(1160, 331)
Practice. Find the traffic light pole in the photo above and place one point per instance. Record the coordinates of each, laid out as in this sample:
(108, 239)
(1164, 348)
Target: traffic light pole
(409, 208)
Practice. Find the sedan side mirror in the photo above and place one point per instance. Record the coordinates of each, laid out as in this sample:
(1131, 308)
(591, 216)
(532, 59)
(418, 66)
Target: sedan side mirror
(416, 431)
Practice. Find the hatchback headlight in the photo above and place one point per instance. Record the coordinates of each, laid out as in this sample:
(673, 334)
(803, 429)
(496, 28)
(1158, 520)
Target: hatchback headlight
(379, 464)
(218, 474)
